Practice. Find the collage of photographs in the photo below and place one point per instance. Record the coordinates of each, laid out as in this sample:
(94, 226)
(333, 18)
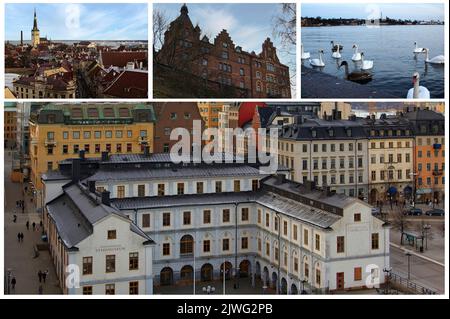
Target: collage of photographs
(216, 150)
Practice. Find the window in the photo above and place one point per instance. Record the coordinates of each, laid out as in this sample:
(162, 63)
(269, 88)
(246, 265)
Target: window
(112, 234)
(255, 185)
(166, 249)
(87, 265)
(76, 148)
(134, 287)
(259, 216)
(110, 289)
(166, 219)
(237, 185)
(340, 241)
(87, 290)
(317, 246)
(294, 232)
(206, 246)
(225, 244)
(161, 190)
(305, 237)
(375, 241)
(244, 214)
(141, 190)
(110, 263)
(218, 186)
(285, 228)
(108, 134)
(120, 191)
(65, 135)
(65, 149)
(206, 217)
(186, 245)
(199, 187)
(244, 243)
(180, 188)
(226, 216)
(146, 220)
(133, 261)
(318, 279)
(357, 217)
(357, 274)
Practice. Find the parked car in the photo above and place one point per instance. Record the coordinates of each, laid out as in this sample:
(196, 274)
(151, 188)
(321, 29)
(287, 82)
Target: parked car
(435, 212)
(414, 212)
(375, 211)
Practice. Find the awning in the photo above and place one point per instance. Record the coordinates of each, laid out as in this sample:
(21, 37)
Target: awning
(392, 190)
(424, 191)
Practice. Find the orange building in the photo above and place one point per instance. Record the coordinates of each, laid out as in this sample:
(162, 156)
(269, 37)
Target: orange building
(429, 154)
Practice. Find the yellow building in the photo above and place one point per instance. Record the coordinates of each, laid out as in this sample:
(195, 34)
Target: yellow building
(60, 131)
(209, 111)
(10, 124)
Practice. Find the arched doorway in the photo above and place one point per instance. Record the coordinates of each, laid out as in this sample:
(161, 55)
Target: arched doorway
(373, 196)
(407, 192)
(186, 245)
(187, 274)
(166, 276)
(266, 279)
(206, 272)
(244, 269)
(228, 268)
(274, 282)
(283, 287)
(294, 290)
(258, 270)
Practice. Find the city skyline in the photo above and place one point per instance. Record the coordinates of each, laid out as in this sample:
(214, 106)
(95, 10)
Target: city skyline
(409, 11)
(78, 21)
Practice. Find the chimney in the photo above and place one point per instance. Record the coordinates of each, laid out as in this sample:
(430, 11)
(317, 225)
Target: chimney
(91, 185)
(310, 185)
(76, 169)
(21, 38)
(105, 156)
(81, 153)
(105, 198)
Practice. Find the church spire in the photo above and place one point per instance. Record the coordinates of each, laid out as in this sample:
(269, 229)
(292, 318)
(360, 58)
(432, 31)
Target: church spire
(35, 27)
(184, 9)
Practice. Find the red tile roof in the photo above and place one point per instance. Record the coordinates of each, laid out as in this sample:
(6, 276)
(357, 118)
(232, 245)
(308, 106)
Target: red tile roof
(129, 84)
(121, 58)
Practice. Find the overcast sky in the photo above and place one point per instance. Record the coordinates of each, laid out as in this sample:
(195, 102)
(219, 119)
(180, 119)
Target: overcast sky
(80, 21)
(412, 11)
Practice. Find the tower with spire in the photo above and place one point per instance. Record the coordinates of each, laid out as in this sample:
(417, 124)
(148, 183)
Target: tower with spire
(35, 32)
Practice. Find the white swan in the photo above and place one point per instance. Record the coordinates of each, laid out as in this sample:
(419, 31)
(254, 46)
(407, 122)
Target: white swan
(304, 55)
(317, 62)
(366, 64)
(336, 54)
(356, 55)
(439, 59)
(417, 91)
(416, 49)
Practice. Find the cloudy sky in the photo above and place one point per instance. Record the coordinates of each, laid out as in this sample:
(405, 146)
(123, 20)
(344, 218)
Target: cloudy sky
(412, 11)
(80, 21)
(248, 24)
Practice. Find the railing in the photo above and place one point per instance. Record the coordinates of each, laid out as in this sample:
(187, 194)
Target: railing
(409, 285)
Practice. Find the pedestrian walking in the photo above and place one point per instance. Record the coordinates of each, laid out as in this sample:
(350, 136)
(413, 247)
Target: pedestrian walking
(40, 275)
(21, 237)
(44, 275)
(14, 218)
(40, 224)
(13, 283)
(23, 210)
(41, 290)
(34, 225)
(18, 237)
(28, 225)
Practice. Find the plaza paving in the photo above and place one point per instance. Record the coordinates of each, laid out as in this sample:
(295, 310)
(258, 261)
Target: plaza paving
(19, 257)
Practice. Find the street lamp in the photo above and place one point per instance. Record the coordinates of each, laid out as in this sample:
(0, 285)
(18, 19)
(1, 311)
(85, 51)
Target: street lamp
(408, 254)
(388, 279)
(414, 174)
(8, 281)
(426, 228)
(303, 286)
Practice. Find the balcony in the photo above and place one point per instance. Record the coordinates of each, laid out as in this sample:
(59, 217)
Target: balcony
(438, 172)
(143, 140)
(437, 146)
(50, 142)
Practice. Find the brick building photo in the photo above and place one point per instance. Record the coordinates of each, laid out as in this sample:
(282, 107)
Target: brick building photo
(193, 62)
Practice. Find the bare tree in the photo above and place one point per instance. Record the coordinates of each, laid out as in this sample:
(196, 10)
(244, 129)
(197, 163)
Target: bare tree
(160, 25)
(426, 231)
(400, 222)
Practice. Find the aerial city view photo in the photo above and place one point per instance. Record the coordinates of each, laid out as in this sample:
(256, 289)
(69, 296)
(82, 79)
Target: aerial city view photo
(95, 187)
(258, 156)
(224, 50)
(357, 50)
(69, 51)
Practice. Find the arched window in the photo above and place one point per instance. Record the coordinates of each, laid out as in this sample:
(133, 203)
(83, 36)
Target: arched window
(186, 245)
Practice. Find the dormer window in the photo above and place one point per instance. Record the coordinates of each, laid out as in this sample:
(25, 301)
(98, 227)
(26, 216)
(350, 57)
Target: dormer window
(331, 132)
(349, 132)
(314, 133)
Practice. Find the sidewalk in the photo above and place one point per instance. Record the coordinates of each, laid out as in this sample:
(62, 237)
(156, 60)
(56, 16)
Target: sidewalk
(19, 257)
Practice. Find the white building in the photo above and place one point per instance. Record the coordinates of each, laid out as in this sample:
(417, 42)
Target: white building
(207, 218)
